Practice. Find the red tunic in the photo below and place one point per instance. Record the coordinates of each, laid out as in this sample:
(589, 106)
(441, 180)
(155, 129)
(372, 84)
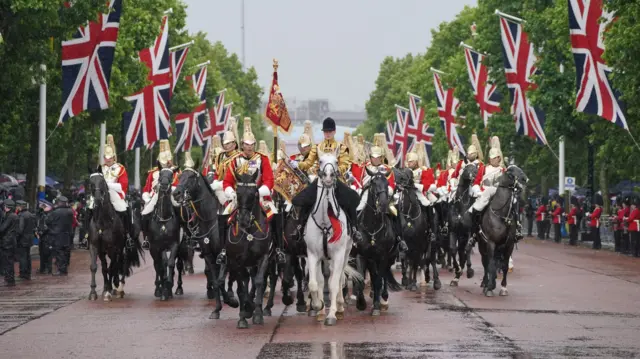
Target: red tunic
(427, 178)
(123, 180)
(557, 213)
(356, 171)
(595, 218)
(633, 220)
(479, 175)
(390, 176)
(572, 217)
(540, 213)
(618, 224)
(442, 179)
(148, 187)
(266, 173)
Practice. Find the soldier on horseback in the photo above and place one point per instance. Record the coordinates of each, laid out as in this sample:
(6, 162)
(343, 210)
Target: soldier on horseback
(149, 192)
(216, 173)
(424, 181)
(115, 174)
(344, 193)
(248, 161)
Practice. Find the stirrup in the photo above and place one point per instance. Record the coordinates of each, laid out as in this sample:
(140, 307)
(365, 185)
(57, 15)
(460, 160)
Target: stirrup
(222, 257)
(280, 256)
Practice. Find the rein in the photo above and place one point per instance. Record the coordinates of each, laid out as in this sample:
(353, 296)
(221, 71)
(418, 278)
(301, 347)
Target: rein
(254, 221)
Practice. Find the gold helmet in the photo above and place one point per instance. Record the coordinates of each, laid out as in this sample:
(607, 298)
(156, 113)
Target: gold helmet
(188, 160)
(361, 154)
(216, 147)
(247, 135)
(496, 150)
(231, 134)
(348, 141)
(308, 130)
(110, 149)
(476, 143)
(263, 148)
(165, 153)
(454, 156)
(412, 157)
(282, 152)
(421, 153)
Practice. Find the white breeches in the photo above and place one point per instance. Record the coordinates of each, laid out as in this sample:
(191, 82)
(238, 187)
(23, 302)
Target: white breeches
(484, 198)
(118, 203)
(149, 206)
(263, 203)
(423, 200)
(363, 201)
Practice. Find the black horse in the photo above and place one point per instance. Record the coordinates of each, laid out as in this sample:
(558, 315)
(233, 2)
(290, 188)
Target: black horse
(378, 249)
(107, 238)
(164, 237)
(248, 242)
(296, 252)
(497, 232)
(459, 234)
(199, 209)
(415, 231)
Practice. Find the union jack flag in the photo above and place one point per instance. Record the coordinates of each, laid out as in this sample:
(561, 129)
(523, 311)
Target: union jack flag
(178, 59)
(594, 92)
(416, 129)
(86, 64)
(487, 98)
(447, 107)
(149, 120)
(519, 66)
(401, 139)
(219, 124)
(189, 125)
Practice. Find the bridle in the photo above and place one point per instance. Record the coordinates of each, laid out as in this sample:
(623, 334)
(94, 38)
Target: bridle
(189, 206)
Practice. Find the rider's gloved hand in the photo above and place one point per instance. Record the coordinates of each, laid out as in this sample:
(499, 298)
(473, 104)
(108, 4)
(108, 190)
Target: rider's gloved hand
(231, 194)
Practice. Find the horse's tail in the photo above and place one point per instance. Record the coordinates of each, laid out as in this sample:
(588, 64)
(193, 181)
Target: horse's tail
(132, 256)
(353, 273)
(392, 283)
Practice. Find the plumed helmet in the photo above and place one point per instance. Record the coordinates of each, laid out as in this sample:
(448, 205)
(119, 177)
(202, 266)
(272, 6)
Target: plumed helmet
(421, 152)
(282, 151)
(247, 135)
(619, 200)
(165, 153)
(438, 169)
(263, 148)
(110, 149)
(231, 134)
(308, 130)
(476, 144)
(348, 141)
(495, 143)
(376, 151)
(493, 153)
(188, 160)
(304, 140)
(412, 157)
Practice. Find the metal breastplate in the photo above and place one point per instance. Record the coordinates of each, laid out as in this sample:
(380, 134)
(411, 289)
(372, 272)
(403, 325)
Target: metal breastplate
(249, 165)
(111, 173)
(491, 174)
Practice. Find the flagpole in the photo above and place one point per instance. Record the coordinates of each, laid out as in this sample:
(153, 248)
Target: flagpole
(203, 64)
(437, 71)
(507, 16)
(402, 108)
(273, 126)
(103, 140)
(42, 132)
(181, 46)
(632, 138)
(136, 178)
(242, 30)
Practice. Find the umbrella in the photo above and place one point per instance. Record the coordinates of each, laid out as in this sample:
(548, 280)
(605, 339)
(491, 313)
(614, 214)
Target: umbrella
(50, 181)
(8, 180)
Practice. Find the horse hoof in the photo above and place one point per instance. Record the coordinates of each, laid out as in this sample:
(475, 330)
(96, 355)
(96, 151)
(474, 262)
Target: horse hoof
(164, 297)
(242, 324)
(504, 292)
(454, 283)
(451, 269)
(287, 299)
(423, 284)
(267, 312)
(405, 281)
(301, 308)
(470, 273)
(233, 303)
(375, 313)
(120, 294)
(179, 291)
(437, 284)
(313, 312)
(210, 294)
(489, 293)
(321, 316)
(330, 321)
(107, 297)
(361, 304)
(157, 293)
(340, 315)
(384, 307)
(258, 319)
(413, 287)
(214, 315)
(114, 292)
(93, 296)
(510, 269)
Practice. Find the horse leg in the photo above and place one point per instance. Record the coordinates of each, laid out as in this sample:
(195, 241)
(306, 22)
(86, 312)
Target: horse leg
(259, 283)
(232, 278)
(337, 270)
(361, 303)
(157, 266)
(287, 280)
(93, 251)
(243, 295)
(453, 248)
(436, 276)
(106, 292)
(314, 292)
(376, 286)
(384, 296)
(413, 276)
(505, 269)
(173, 253)
(340, 301)
(273, 281)
(301, 305)
(491, 269)
(405, 281)
(213, 291)
(207, 273)
(180, 267)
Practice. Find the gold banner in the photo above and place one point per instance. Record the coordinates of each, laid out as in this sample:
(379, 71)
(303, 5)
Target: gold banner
(287, 182)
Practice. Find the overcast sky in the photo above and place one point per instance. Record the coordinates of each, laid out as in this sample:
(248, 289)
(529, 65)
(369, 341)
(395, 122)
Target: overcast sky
(327, 49)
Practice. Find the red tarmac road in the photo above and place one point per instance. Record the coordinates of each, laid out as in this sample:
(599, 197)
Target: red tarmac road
(564, 302)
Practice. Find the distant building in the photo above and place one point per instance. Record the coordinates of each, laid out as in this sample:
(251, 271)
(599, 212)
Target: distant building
(348, 118)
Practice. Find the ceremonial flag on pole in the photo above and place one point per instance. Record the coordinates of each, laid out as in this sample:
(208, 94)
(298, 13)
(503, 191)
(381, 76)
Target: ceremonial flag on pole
(519, 67)
(595, 94)
(487, 98)
(190, 125)
(416, 130)
(447, 107)
(402, 139)
(87, 60)
(219, 122)
(276, 111)
(149, 120)
(178, 59)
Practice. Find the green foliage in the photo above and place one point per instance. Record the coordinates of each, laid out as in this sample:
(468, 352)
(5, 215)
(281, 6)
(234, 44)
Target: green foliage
(548, 29)
(32, 32)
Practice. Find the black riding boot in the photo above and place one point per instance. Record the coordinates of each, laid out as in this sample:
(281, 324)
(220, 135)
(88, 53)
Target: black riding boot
(126, 222)
(280, 257)
(397, 230)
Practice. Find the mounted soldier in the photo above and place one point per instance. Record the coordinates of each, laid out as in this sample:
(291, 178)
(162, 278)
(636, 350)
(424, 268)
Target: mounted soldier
(217, 173)
(376, 165)
(347, 198)
(115, 174)
(248, 161)
(209, 168)
(424, 181)
(475, 157)
(149, 192)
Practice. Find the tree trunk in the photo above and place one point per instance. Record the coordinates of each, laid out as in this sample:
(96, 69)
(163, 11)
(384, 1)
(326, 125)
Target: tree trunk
(544, 186)
(604, 187)
(31, 190)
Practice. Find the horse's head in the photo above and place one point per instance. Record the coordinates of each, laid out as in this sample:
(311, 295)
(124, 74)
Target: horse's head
(98, 189)
(328, 169)
(188, 186)
(165, 179)
(247, 194)
(468, 175)
(404, 178)
(515, 176)
(378, 189)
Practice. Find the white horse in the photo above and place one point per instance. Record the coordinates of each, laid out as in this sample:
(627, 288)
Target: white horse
(324, 242)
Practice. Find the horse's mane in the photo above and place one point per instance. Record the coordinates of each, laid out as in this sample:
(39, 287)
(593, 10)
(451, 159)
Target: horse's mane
(105, 210)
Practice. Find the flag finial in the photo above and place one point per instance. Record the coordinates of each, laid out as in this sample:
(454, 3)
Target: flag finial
(275, 65)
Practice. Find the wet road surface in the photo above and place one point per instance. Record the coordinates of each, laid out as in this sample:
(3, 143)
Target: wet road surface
(564, 302)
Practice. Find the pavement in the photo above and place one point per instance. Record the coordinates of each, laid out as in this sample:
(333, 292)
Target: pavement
(563, 302)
